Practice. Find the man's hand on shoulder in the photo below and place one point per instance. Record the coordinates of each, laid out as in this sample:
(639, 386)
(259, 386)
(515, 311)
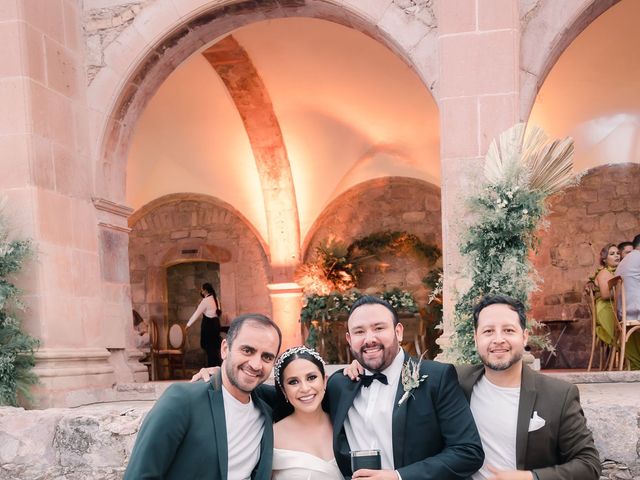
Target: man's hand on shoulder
(353, 370)
(205, 374)
(510, 474)
(376, 474)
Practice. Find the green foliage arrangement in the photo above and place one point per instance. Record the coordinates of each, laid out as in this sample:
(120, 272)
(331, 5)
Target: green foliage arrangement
(337, 265)
(329, 308)
(395, 243)
(522, 168)
(16, 348)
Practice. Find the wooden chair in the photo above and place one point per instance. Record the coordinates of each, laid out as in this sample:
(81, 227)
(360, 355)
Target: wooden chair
(626, 326)
(174, 354)
(604, 351)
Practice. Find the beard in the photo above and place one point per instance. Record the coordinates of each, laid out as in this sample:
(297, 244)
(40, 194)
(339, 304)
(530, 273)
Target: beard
(500, 366)
(376, 365)
(232, 375)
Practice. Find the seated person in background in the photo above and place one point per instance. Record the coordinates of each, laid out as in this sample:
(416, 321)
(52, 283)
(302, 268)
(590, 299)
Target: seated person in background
(143, 340)
(625, 248)
(605, 320)
(629, 270)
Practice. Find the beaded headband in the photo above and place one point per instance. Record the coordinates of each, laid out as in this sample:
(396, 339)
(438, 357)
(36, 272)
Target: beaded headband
(292, 351)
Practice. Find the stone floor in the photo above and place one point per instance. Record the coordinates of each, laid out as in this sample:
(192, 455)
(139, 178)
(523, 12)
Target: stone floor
(94, 441)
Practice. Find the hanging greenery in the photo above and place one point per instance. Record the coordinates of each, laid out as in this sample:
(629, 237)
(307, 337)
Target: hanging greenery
(16, 348)
(395, 243)
(522, 167)
(337, 265)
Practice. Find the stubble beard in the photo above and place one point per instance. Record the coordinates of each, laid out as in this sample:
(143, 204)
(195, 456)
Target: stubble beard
(233, 379)
(501, 366)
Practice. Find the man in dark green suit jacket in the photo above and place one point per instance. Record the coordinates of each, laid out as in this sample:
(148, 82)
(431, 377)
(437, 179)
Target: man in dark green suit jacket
(429, 435)
(548, 438)
(185, 435)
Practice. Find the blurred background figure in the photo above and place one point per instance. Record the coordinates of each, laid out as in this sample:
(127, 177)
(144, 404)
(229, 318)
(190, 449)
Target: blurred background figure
(210, 339)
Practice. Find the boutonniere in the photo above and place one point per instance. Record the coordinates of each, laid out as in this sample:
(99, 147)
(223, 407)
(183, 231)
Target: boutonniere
(411, 378)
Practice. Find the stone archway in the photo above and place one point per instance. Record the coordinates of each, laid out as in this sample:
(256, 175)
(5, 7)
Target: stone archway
(133, 70)
(189, 227)
(384, 204)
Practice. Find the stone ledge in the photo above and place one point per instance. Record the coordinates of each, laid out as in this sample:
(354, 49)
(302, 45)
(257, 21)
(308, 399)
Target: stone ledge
(95, 441)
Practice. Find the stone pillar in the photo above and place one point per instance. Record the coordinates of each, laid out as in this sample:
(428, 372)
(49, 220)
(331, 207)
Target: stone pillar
(46, 174)
(478, 44)
(286, 302)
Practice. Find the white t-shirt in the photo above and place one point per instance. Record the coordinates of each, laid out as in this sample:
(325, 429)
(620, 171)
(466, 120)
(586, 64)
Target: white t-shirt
(370, 419)
(245, 425)
(495, 411)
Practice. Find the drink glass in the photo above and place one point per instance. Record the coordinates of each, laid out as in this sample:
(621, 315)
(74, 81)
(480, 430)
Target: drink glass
(369, 459)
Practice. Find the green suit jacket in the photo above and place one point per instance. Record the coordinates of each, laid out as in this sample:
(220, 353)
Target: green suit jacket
(184, 436)
(434, 435)
(563, 448)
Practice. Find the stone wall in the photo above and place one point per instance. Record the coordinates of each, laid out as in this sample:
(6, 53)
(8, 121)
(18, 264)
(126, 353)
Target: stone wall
(185, 228)
(391, 203)
(603, 208)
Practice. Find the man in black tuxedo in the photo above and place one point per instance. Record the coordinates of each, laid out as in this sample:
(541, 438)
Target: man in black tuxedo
(428, 434)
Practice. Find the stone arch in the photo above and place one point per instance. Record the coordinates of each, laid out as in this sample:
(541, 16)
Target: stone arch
(388, 203)
(547, 29)
(192, 227)
(164, 34)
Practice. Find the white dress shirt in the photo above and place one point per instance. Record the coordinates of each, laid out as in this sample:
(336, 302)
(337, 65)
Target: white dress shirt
(369, 421)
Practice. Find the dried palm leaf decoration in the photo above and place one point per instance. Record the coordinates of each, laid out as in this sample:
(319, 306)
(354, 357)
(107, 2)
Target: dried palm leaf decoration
(527, 157)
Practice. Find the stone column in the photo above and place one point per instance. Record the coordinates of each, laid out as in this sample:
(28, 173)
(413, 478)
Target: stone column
(286, 302)
(478, 44)
(46, 175)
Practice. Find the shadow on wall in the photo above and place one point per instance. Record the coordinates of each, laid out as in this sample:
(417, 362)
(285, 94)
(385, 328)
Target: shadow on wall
(603, 208)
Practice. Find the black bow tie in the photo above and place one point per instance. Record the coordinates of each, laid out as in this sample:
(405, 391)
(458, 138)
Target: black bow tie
(368, 379)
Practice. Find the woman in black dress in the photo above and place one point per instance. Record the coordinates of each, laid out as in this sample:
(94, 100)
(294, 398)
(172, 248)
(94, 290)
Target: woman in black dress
(210, 339)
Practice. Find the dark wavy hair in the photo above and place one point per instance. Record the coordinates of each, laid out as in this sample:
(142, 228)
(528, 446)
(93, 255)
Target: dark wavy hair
(604, 253)
(283, 408)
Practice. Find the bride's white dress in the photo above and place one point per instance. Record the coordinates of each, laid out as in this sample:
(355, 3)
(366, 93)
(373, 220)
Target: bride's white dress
(294, 465)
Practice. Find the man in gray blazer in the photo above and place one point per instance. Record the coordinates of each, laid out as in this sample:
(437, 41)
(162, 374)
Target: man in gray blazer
(531, 425)
(186, 434)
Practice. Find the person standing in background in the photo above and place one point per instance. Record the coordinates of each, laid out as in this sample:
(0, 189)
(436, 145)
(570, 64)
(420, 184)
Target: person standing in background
(210, 339)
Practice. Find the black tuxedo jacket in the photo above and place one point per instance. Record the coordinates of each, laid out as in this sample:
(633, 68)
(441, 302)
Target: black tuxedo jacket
(434, 435)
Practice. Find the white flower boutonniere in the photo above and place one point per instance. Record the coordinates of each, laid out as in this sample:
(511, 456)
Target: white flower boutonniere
(411, 378)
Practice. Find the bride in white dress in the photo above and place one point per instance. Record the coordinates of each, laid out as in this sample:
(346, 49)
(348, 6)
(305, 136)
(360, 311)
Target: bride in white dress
(303, 438)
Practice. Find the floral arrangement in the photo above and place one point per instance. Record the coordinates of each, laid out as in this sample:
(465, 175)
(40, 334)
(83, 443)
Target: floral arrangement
(522, 168)
(410, 378)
